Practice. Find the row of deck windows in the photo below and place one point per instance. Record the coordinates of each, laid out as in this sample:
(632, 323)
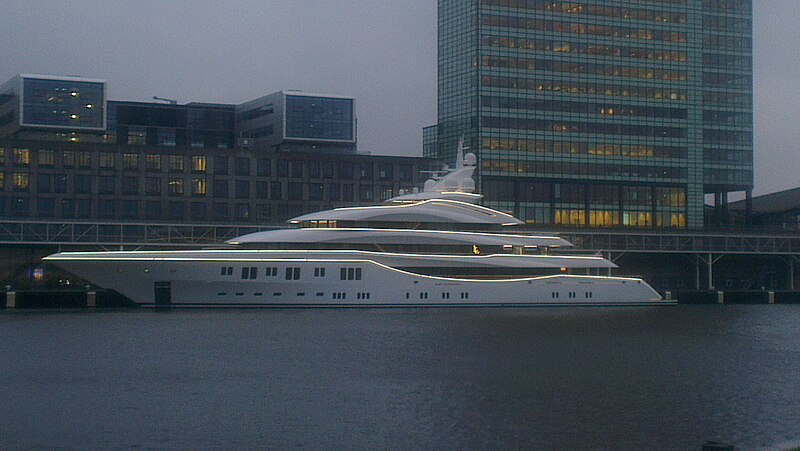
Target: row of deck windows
(573, 295)
(292, 273)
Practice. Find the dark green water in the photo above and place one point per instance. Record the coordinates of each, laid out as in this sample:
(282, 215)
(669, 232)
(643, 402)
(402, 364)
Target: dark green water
(636, 378)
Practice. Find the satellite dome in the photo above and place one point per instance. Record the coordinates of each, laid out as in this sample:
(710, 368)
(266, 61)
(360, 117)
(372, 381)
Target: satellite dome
(470, 159)
(429, 185)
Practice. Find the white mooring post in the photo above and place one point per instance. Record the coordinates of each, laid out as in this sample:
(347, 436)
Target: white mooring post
(91, 299)
(11, 299)
(720, 297)
(771, 297)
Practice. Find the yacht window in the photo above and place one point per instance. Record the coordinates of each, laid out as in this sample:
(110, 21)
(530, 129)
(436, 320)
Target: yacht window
(249, 273)
(358, 273)
(343, 274)
(271, 271)
(226, 271)
(319, 272)
(351, 273)
(292, 273)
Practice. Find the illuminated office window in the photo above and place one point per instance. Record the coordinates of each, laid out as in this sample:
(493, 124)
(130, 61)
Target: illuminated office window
(199, 187)
(199, 163)
(22, 157)
(21, 181)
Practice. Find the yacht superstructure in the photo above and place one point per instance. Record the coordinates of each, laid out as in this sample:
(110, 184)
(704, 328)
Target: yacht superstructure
(434, 247)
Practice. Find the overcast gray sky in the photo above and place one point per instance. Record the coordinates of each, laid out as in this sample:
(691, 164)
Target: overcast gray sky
(383, 52)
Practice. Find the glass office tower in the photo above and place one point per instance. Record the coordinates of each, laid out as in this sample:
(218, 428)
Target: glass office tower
(599, 113)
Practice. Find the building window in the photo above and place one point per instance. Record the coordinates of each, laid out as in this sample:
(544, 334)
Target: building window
(199, 163)
(297, 169)
(44, 183)
(263, 212)
(220, 189)
(166, 137)
(316, 191)
(365, 192)
(385, 171)
(242, 189)
(262, 190)
(313, 169)
(67, 208)
(46, 208)
(130, 185)
(282, 168)
(242, 211)
(84, 159)
(263, 167)
(137, 136)
(20, 207)
(334, 192)
(106, 185)
(295, 191)
(198, 210)
(242, 166)
(177, 210)
(153, 162)
(176, 163)
(60, 183)
(221, 210)
(20, 181)
(152, 209)
(348, 192)
(2, 180)
(47, 157)
(130, 161)
(68, 158)
(83, 184)
(220, 165)
(275, 191)
(106, 160)
(130, 209)
(22, 157)
(152, 186)
(176, 187)
(199, 187)
(105, 208)
(2, 156)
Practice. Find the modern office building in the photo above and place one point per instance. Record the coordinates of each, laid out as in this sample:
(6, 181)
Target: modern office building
(171, 125)
(66, 154)
(51, 108)
(178, 184)
(296, 121)
(599, 113)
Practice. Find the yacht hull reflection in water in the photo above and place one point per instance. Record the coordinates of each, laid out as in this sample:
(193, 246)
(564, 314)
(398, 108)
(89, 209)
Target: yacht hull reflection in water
(436, 247)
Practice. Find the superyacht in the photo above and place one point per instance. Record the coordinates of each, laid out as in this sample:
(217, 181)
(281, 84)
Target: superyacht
(429, 247)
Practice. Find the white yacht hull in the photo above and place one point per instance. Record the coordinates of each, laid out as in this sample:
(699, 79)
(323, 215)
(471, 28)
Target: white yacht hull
(269, 281)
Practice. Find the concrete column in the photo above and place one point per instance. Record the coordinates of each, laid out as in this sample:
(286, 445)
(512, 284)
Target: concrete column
(696, 272)
(91, 299)
(710, 272)
(11, 299)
